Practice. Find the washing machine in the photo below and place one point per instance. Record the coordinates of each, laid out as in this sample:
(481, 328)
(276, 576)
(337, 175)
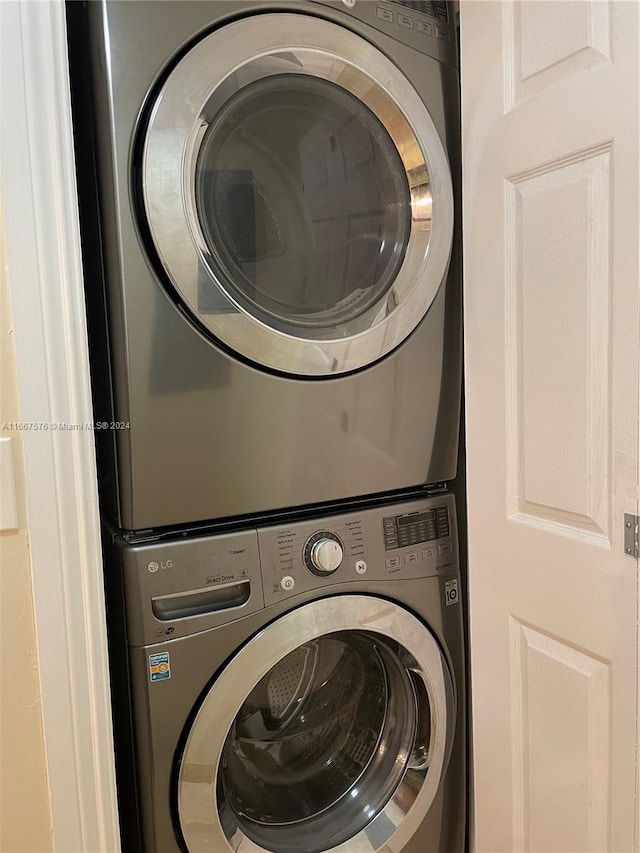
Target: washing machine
(273, 273)
(299, 687)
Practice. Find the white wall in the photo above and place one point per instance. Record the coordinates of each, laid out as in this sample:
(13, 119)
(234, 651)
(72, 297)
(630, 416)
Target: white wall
(25, 820)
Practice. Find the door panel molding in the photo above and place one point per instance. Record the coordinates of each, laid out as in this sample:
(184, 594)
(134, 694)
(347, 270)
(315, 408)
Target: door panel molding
(558, 230)
(574, 45)
(576, 745)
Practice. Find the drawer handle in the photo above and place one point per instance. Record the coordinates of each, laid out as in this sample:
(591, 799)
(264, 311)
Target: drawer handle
(197, 602)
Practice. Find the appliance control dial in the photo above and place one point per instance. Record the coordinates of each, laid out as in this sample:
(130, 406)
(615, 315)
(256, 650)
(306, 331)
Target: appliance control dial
(323, 553)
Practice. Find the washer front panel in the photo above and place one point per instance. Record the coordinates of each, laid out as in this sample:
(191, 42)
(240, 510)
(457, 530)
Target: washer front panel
(199, 770)
(208, 78)
(273, 562)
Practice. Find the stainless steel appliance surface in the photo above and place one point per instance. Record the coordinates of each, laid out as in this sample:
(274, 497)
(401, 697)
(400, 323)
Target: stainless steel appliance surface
(268, 196)
(299, 688)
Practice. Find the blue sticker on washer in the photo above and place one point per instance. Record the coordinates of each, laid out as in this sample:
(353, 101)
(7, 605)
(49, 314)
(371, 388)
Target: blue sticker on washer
(159, 666)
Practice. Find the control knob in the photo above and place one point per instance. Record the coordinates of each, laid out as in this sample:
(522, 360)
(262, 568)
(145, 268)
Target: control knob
(323, 553)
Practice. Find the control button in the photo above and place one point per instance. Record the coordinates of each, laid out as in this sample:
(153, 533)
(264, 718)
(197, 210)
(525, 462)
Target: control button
(442, 34)
(287, 583)
(393, 562)
(428, 553)
(405, 21)
(425, 27)
(323, 553)
(361, 567)
(384, 14)
(412, 557)
(326, 555)
(445, 549)
(443, 522)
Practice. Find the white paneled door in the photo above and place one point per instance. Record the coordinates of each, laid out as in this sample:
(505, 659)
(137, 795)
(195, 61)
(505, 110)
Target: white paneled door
(550, 139)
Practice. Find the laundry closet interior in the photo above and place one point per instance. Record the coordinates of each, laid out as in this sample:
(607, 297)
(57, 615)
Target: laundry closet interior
(329, 597)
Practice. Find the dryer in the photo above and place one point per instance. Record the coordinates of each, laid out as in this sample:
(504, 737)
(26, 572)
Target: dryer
(267, 195)
(298, 688)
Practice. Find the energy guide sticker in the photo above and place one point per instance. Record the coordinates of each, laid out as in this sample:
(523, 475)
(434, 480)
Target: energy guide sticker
(159, 666)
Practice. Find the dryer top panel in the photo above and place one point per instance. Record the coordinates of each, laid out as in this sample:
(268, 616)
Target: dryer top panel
(424, 25)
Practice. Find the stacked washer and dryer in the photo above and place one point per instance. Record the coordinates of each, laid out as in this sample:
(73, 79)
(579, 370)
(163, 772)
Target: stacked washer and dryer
(273, 286)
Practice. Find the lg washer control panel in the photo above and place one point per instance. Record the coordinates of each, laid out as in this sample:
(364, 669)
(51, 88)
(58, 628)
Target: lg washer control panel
(177, 587)
(410, 540)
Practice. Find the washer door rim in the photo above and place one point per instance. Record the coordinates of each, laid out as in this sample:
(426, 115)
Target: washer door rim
(201, 82)
(198, 770)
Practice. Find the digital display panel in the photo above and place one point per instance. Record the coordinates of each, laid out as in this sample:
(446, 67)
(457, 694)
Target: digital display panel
(415, 518)
(415, 528)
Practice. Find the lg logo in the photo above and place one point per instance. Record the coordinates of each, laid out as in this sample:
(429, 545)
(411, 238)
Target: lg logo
(163, 564)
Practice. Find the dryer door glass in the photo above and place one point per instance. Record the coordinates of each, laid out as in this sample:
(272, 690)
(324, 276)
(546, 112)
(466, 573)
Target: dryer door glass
(303, 201)
(333, 746)
(297, 194)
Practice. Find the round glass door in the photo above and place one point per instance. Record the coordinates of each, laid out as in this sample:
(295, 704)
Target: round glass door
(337, 745)
(320, 744)
(297, 193)
(303, 202)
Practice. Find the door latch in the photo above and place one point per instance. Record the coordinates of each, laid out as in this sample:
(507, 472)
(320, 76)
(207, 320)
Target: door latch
(631, 547)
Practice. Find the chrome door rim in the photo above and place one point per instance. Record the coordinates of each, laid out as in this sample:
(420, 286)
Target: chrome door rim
(207, 76)
(198, 770)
